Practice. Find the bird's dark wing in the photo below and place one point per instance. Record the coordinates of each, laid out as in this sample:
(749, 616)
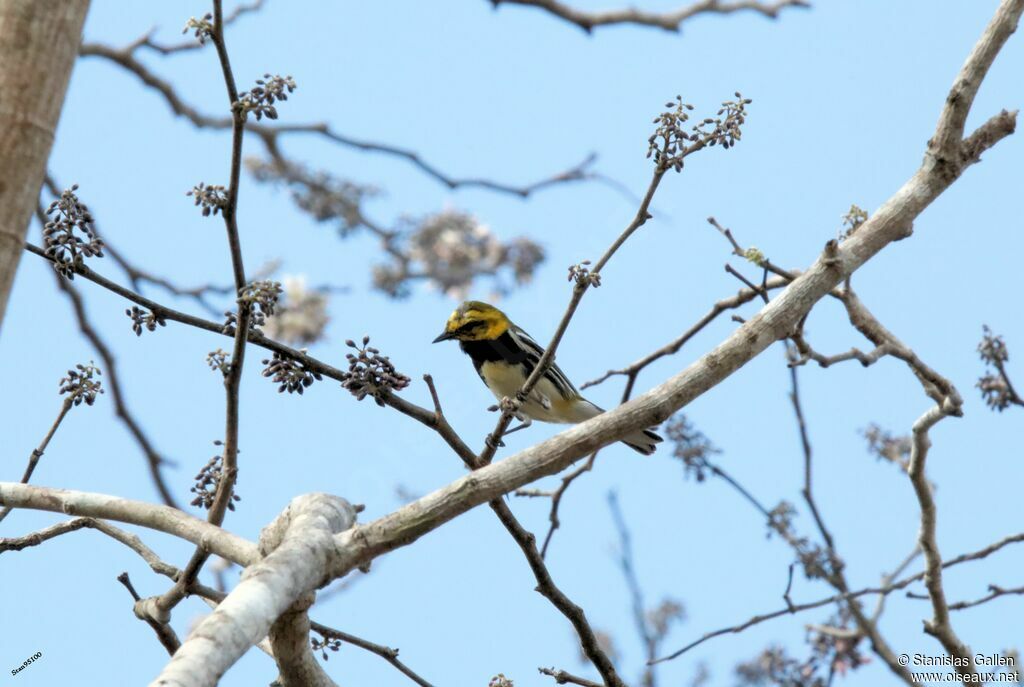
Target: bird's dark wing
(534, 351)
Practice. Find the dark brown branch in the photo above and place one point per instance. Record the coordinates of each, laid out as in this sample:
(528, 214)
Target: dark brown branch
(153, 458)
(884, 589)
(233, 378)
(668, 21)
(137, 276)
(421, 415)
(525, 539)
(651, 640)
(556, 500)
(387, 653)
(37, 452)
(125, 57)
(546, 586)
(805, 443)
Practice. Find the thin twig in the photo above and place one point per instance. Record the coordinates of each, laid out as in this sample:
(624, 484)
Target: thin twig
(668, 21)
(37, 452)
(640, 623)
(563, 678)
(846, 596)
(387, 653)
(125, 57)
(233, 379)
(939, 626)
(741, 298)
(994, 592)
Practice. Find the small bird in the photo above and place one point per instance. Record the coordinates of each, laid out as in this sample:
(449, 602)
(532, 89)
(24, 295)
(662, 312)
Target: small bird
(504, 356)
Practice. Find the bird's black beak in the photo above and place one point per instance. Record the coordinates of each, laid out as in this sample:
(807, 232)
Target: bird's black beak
(444, 337)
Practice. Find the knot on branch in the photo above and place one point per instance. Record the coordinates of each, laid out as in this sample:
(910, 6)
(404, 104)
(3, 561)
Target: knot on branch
(308, 512)
(150, 609)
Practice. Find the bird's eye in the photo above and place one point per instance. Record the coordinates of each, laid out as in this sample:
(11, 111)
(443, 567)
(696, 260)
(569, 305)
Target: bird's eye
(470, 327)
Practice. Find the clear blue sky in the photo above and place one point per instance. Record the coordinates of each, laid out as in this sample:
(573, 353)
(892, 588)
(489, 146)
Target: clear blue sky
(845, 98)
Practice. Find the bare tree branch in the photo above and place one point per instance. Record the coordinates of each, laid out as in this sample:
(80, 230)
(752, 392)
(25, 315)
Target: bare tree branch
(995, 591)
(152, 516)
(834, 573)
(388, 654)
(289, 641)
(37, 452)
(669, 21)
(154, 459)
(228, 471)
(297, 548)
(883, 590)
(563, 678)
(940, 626)
(162, 568)
(631, 371)
(125, 57)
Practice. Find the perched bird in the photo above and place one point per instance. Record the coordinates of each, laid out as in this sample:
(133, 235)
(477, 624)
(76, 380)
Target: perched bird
(504, 356)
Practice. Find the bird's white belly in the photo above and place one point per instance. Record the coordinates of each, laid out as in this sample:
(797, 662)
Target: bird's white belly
(507, 380)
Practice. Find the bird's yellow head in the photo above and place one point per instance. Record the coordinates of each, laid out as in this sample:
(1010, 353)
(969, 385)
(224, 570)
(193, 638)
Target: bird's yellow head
(474, 321)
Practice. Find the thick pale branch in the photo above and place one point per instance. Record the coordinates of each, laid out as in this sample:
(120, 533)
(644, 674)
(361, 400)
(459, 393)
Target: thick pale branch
(155, 517)
(298, 549)
(949, 132)
(774, 322)
(289, 640)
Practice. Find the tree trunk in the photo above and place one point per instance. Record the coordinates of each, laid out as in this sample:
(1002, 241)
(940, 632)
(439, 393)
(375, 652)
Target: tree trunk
(38, 46)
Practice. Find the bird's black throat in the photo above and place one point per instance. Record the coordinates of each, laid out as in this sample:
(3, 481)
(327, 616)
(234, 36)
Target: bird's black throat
(504, 348)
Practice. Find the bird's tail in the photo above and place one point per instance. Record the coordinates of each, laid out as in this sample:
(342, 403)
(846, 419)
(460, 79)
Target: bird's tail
(643, 441)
